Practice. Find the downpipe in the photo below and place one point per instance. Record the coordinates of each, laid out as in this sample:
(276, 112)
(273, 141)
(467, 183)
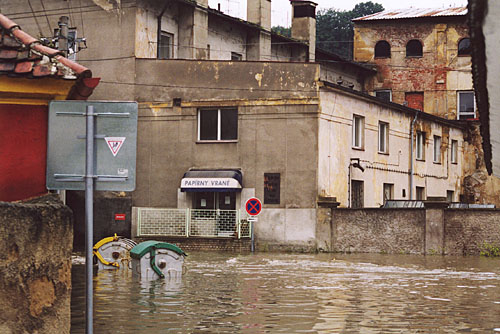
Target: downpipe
(412, 137)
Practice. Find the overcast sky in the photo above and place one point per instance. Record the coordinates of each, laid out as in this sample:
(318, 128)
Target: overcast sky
(281, 9)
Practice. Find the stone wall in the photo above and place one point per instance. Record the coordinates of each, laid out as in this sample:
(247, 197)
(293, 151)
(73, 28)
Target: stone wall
(378, 230)
(414, 231)
(35, 266)
(467, 231)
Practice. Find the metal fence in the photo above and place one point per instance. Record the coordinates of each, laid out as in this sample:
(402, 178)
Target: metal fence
(192, 223)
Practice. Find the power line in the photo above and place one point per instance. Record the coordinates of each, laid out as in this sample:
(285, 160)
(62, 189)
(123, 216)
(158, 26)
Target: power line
(34, 16)
(46, 17)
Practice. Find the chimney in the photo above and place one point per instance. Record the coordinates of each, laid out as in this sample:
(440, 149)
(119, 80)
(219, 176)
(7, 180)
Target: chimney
(259, 12)
(304, 24)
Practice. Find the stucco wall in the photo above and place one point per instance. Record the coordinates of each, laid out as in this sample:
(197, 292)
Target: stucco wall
(35, 266)
(378, 231)
(335, 152)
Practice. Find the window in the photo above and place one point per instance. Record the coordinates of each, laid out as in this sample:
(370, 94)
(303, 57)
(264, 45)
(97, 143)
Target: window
(420, 193)
(420, 145)
(388, 191)
(208, 51)
(414, 48)
(165, 45)
(217, 124)
(437, 149)
(466, 105)
(383, 137)
(358, 129)
(464, 47)
(236, 56)
(454, 151)
(384, 94)
(382, 49)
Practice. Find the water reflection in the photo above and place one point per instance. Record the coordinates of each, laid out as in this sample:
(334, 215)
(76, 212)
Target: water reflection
(283, 293)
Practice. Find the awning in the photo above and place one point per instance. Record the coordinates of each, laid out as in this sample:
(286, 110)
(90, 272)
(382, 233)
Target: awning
(212, 180)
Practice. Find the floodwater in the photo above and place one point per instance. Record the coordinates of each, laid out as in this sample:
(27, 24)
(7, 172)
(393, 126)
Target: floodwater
(299, 293)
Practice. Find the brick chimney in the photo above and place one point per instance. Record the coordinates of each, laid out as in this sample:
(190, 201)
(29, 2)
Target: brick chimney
(259, 12)
(304, 24)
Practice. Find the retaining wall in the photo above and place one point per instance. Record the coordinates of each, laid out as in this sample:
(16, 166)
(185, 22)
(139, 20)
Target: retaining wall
(35, 266)
(432, 230)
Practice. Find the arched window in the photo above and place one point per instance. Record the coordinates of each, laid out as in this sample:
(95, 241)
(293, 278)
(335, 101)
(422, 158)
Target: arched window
(414, 48)
(382, 49)
(464, 47)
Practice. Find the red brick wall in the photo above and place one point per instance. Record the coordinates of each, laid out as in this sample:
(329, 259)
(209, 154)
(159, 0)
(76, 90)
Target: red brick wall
(23, 151)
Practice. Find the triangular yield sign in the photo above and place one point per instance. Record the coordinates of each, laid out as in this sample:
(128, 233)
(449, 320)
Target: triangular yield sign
(114, 144)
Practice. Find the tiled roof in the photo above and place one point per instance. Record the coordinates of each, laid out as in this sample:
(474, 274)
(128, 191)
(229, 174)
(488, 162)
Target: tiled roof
(410, 13)
(22, 55)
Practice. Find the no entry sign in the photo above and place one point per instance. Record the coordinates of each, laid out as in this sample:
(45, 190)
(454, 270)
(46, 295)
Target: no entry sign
(253, 206)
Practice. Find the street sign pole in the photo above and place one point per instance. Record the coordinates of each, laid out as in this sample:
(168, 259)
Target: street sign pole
(89, 217)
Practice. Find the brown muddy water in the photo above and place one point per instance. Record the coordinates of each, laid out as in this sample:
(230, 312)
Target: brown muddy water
(299, 293)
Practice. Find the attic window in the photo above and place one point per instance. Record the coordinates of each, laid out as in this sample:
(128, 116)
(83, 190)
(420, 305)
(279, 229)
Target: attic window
(414, 48)
(382, 49)
(464, 47)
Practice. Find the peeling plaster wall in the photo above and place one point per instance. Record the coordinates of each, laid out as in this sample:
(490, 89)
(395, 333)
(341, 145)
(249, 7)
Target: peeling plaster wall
(439, 73)
(335, 152)
(35, 266)
(277, 133)
(225, 38)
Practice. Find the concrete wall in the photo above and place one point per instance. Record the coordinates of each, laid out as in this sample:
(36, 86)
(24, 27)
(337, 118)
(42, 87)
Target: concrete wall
(335, 152)
(413, 231)
(35, 266)
(439, 73)
(378, 231)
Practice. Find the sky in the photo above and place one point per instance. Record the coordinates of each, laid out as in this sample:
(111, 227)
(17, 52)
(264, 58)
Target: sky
(281, 9)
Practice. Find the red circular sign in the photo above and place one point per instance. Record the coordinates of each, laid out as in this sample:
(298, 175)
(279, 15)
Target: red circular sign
(253, 206)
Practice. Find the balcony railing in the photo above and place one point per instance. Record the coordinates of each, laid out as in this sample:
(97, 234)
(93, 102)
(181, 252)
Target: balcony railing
(192, 223)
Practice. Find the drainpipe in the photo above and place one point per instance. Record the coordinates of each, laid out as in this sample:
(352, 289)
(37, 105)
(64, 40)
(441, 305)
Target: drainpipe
(159, 29)
(412, 135)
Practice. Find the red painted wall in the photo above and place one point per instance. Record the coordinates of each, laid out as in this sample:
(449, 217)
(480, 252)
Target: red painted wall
(23, 151)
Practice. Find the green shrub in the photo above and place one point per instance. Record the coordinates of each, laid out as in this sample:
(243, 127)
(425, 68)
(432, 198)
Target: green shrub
(490, 250)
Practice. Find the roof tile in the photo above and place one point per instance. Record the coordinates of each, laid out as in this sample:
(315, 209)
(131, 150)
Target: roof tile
(7, 67)
(24, 67)
(8, 54)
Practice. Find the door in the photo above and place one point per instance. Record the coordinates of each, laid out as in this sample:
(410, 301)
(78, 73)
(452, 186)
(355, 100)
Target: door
(357, 196)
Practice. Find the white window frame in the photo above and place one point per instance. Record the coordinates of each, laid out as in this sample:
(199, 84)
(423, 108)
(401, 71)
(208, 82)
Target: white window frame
(420, 145)
(465, 114)
(171, 45)
(384, 91)
(219, 126)
(437, 149)
(454, 151)
(383, 145)
(358, 132)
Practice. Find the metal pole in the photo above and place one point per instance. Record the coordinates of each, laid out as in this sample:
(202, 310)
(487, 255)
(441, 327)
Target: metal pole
(89, 218)
(252, 245)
